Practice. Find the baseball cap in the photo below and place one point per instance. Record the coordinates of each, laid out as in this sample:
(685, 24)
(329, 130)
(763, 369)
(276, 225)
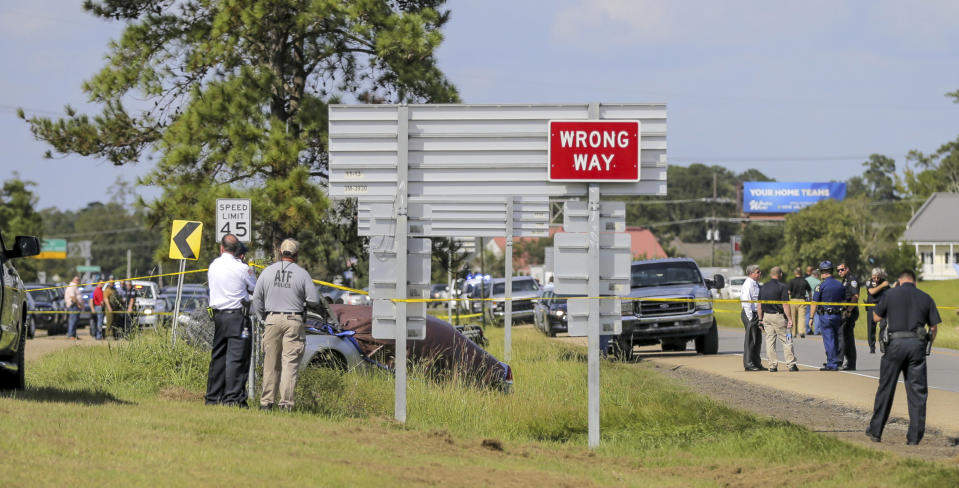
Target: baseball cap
(823, 266)
(289, 246)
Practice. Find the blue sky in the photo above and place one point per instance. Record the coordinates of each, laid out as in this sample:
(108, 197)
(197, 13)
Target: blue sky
(803, 91)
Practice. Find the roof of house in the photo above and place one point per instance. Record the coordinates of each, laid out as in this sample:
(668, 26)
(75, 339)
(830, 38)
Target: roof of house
(935, 221)
(643, 243)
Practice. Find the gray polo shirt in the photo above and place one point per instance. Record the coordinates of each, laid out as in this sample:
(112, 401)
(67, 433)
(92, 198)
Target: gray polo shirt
(284, 287)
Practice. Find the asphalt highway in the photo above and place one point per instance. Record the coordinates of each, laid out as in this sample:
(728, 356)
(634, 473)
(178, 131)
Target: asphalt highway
(942, 365)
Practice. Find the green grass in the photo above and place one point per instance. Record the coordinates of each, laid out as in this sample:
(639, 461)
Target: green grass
(132, 415)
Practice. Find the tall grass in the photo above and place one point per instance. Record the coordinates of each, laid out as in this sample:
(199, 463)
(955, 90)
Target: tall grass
(645, 415)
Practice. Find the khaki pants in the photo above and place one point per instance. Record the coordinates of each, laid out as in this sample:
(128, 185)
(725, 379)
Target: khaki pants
(797, 312)
(283, 344)
(775, 328)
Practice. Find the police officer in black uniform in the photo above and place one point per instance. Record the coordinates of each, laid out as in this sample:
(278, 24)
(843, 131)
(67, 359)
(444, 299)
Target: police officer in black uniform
(907, 311)
(847, 338)
(876, 287)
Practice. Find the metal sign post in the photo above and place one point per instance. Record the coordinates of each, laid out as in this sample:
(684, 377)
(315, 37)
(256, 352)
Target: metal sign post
(592, 341)
(185, 237)
(179, 292)
(402, 229)
(508, 304)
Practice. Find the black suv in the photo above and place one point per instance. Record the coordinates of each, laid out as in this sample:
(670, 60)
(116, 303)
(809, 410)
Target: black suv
(13, 312)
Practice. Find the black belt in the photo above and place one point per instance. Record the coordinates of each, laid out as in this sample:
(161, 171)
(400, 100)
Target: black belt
(829, 310)
(913, 334)
(227, 310)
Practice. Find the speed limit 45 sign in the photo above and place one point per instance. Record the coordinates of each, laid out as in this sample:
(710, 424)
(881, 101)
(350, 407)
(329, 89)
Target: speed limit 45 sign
(233, 217)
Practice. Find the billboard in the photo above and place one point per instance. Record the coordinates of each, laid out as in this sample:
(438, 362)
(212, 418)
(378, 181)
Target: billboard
(780, 198)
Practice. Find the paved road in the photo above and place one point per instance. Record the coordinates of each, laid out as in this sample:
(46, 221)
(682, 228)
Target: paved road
(942, 365)
(856, 389)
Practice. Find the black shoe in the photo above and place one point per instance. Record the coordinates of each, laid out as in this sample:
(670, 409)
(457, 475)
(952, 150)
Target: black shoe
(794, 368)
(773, 370)
(874, 438)
(825, 368)
(753, 368)
(872, 349)
(802, 336)
(847, 368)
(266, 407)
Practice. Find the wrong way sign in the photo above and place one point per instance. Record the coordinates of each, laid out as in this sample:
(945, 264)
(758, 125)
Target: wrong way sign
(594, 150)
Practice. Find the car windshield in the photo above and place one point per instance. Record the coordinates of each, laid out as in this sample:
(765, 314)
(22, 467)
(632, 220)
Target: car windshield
(665, 273)
(144, 291)
(192, 303)
(518, 285)
(737, 281)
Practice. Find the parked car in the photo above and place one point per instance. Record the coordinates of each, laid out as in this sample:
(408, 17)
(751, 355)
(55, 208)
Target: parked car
(671, 324)
(42, 299)
(734, 287)
(330, 294)
(191, 288)
(147, 294)
(439, 291)
(525, 291)
(353, 298)
(549, 313)
(13, 313)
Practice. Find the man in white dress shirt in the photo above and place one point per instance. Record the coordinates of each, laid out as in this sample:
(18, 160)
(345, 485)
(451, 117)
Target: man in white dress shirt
(231, 282)
(750, 318)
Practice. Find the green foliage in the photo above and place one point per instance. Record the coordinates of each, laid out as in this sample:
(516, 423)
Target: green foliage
(819, 232)
(687, 183)
(18, 216)
(878, 177)
(113, 226)
(761, 241)
(237, 95)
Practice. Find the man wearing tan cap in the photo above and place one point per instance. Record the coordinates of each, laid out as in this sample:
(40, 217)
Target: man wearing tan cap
(283, 293)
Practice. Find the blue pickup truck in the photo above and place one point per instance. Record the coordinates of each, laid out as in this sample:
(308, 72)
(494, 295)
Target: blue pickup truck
(13, 312)
(670, 323)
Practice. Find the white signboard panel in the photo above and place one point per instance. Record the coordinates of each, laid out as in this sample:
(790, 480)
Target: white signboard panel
(453, 218)
(573, 269)
(610, 317)
(475, 150)
(384, 321)
(233, 216)
(383, 267)
(612, 217)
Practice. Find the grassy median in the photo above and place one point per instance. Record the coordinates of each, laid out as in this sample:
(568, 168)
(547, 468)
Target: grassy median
(131, 414)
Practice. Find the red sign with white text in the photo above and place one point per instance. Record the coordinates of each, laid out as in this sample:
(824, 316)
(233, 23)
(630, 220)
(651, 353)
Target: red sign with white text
(594, 150)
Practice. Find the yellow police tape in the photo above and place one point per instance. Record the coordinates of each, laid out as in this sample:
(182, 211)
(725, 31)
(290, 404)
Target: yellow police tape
(430, 300)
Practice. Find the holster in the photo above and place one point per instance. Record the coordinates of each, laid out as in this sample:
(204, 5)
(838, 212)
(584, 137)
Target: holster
(883, 338)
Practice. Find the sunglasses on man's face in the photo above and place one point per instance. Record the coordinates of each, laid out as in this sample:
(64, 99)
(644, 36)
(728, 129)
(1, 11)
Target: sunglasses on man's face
(841, 269)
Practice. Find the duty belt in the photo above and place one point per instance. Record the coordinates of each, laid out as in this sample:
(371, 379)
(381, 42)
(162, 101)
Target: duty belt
(829, 310)
(913, 334)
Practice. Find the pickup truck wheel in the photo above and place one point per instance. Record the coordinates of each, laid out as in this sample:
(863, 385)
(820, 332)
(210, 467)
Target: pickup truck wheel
(15, 380)
(709, 343)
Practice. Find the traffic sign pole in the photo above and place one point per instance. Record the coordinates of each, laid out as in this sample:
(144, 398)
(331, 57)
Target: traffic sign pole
(508, 305)
(592, 342)
(402, 230)
(179, 291)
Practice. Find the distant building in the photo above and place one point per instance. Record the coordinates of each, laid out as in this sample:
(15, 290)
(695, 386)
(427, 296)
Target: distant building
(642, 241)
(935, 234)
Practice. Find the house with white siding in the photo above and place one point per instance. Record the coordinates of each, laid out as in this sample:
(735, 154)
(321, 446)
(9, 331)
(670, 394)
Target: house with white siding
(934, 231)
